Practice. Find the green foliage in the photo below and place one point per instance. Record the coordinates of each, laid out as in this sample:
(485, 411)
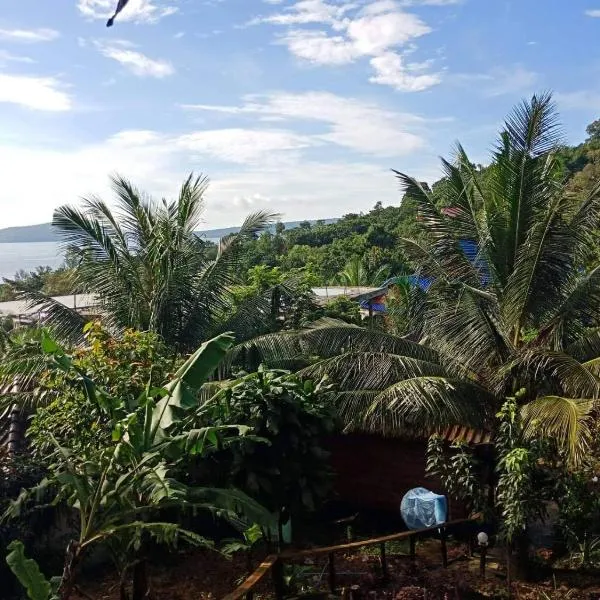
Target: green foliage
(579, 511)
(342, 308)
(457, 468)
(356, 274)
(147, 267)
(326, 249)
(120, 487)
(28, 573)
(123, 367)
(519, 496)
(44, 279)
(290, 473)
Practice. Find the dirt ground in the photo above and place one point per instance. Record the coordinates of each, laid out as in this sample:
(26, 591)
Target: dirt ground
(203, 575)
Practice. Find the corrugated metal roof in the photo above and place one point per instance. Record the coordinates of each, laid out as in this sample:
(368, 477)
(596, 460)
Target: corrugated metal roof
(19, 307)
(459, 433)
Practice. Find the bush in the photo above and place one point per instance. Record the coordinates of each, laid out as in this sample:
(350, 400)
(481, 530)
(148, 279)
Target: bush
(291, 473)
(122, 367)
(16, 473)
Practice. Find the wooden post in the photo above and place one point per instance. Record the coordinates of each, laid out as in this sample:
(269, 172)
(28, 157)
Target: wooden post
(482, 557)
(278, 582)
(413, 547)
(383, 558)
(331, 564)
(444, 547)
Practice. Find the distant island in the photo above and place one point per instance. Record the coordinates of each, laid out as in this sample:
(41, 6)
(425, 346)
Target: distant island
(46, 233)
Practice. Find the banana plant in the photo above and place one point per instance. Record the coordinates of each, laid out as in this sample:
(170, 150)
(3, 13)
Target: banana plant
(120, 491)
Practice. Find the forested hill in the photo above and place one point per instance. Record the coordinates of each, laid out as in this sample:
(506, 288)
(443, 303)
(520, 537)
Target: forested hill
(363, 249)
(46, 233)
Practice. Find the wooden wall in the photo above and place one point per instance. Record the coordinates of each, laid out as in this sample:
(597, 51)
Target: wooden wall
(375, 472)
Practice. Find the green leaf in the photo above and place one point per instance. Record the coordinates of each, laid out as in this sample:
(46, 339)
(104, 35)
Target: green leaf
(27, 571)
(182, 390)
(49, 346)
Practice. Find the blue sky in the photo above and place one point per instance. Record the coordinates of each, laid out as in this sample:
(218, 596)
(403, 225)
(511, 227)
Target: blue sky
(295, 106)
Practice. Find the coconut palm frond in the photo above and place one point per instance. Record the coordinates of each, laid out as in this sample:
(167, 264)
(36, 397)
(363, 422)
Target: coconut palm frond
(120, 6)
(352, 406)
(369, 370)
(566, 421)
(562, 372)
(520, 180)
(572, 318)
(66, 323)
(587, 347)
(329, 337)
(545, 261)
(467, 328)
(445, 243)
(422, 405)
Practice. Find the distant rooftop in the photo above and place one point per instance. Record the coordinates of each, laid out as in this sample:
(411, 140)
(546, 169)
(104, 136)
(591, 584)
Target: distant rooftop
(329, 293)
(17, 308)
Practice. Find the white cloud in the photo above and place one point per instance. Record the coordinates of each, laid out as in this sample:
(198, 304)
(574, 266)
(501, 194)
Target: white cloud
(501, 81)
(578, 100)
(136, 62)
(376, 29)
(374, 34)
(513, 80)
(431, 2)
(319, 48)
(246, 146)
(138, 11)
(6, 57)
(37, 93)
(157, 163)
(30, 36)
(391, 70)
(593, 13)
(349, 123)
(308, 11)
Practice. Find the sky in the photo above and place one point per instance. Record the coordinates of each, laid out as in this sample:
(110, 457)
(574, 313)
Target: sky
(300, 107)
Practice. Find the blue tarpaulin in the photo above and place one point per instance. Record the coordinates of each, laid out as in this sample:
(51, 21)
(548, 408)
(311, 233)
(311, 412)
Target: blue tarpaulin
(421, 508)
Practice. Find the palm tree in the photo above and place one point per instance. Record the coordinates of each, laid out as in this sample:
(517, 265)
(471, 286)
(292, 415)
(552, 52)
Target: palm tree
(355, 274)
(147, 268)
(512, 309)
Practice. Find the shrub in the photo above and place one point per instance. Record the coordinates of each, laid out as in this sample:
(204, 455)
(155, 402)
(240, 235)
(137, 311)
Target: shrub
(290, 474)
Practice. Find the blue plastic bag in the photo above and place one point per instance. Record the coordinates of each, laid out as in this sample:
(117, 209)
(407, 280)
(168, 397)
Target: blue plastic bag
(421, 508)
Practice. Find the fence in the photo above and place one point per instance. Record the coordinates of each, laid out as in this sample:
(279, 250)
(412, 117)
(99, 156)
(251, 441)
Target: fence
(274, 563)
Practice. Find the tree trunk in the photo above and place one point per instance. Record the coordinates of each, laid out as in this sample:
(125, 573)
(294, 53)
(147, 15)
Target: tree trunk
(67, 582)
(141, 589)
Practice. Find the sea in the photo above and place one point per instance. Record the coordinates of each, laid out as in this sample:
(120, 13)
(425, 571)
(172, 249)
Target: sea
(27, 256)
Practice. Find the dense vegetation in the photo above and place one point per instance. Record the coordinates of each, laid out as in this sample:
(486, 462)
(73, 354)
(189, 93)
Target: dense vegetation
(134, 436)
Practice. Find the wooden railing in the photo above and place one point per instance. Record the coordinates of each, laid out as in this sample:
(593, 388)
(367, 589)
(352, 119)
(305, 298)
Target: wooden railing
(273, 564)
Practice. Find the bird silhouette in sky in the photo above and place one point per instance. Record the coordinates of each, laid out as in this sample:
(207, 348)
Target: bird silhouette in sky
(122, 4)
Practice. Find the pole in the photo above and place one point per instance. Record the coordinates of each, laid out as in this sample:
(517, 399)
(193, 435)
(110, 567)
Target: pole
(413, 547)
(444, 548)
(383, 558)
(482, 559)
(331, 564)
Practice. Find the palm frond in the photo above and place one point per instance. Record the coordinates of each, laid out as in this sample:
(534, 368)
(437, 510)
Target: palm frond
(520, 178)
(566, 421)
(423, 405)
(467, 328)
(586, 347)
(66, 323)
(543, 261)
(369, 370)
(445, 246)
(562, 372)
